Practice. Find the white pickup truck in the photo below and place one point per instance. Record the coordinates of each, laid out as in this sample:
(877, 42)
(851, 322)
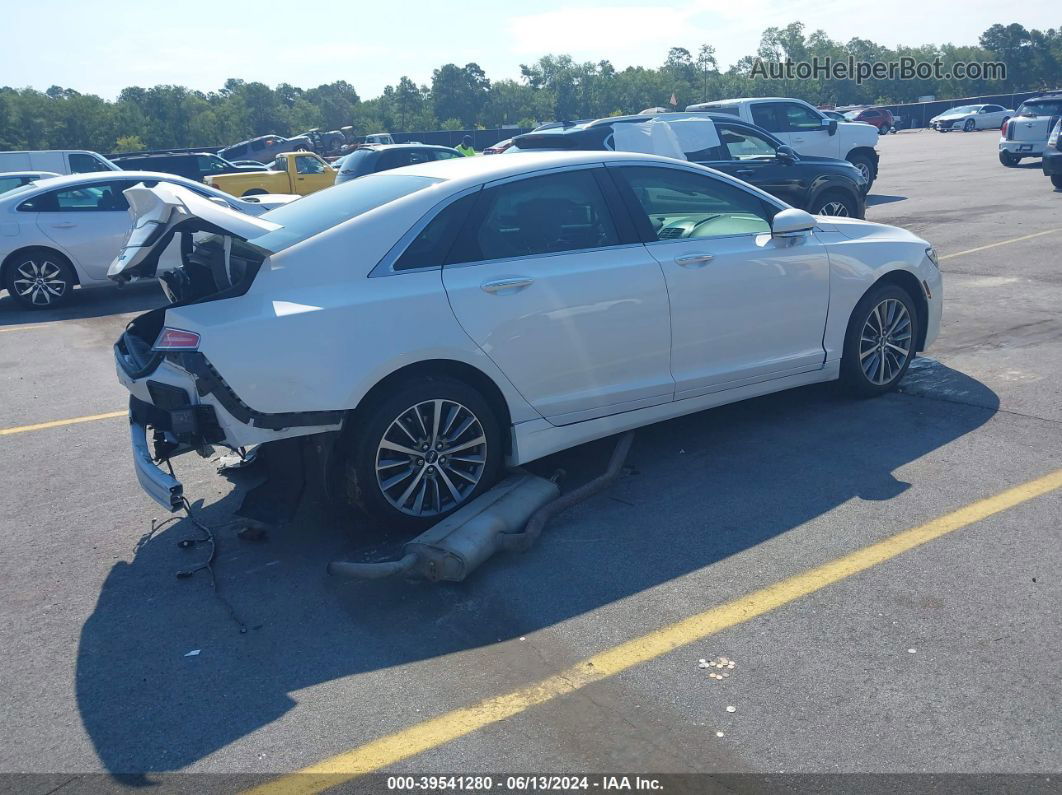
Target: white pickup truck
(806, 129)
(1025, 133)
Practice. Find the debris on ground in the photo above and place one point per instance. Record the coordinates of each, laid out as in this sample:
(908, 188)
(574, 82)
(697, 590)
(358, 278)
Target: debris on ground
(731, 709)
(725, 664)
(193, 653)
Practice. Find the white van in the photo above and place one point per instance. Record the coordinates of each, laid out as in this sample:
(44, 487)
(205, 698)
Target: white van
(61, 161)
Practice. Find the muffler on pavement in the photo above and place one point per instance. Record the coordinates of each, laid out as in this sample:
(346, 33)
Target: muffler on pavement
(510, 516)
(451, 549)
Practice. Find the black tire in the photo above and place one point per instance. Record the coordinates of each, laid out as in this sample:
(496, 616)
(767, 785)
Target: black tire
(853, 376)
(1008, 159)
(969, 125)
(1056, 180)
(866, 165)
(835, 197)
(57, 278)
(254, 192)
(364, 490)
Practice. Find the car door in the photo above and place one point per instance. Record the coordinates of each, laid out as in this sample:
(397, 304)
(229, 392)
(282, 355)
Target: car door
(312, 174)
(806, 132)
(752, 157)
(89, 222)
(550, 280)
(745, 306)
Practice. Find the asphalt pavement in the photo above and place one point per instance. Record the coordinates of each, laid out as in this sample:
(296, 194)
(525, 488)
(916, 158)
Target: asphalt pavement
(942, 658)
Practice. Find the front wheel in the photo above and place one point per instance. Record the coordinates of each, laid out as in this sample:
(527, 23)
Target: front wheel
(40, 279)
(1008, 159)
(969, 126)
(837, 203)
(864, 164)
(880, 341)
(422, 452)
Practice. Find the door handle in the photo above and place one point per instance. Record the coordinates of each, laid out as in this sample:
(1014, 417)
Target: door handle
(66, 225)
(744, 172)
(694, 260)
(506, 285)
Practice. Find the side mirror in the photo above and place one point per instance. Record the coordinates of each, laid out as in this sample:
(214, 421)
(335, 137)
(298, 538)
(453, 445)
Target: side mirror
(787, 154)
(792, 223)
(830, 125)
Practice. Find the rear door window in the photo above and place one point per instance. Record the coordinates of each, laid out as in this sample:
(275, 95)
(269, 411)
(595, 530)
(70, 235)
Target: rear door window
(429, 249)
(96, 197)
(769, 116)
(543, 215)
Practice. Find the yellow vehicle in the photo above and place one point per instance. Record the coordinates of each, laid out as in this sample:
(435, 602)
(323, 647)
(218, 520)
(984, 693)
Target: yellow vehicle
(291, 172)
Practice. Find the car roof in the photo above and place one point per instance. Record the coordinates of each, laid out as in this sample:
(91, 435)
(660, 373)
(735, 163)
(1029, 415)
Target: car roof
(137, 155)
(109, 176)
(477, 170)
(382, 147)
(30, 173)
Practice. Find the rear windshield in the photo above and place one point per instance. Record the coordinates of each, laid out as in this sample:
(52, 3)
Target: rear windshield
(357, 162)
(1040, 108)
(324, 209)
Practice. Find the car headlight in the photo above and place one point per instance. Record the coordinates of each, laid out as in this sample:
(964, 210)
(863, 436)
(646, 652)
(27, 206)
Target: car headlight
(931, 253)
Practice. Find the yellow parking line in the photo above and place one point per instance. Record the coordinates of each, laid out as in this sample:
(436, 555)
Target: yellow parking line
(421, 737)
(40, 426)
(1001, 243)
(25, 328)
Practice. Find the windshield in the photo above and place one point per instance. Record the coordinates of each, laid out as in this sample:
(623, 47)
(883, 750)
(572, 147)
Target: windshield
(1040, 108)
(319, 211)
(851, 115)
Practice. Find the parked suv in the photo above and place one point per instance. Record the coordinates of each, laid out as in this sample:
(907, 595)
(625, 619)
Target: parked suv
(1052, 161)
(875, 117)
(820, 185)
(1025, 133)
(191, 165)
(58, 161)
(803, 127)
(265, 147)
(369, 159)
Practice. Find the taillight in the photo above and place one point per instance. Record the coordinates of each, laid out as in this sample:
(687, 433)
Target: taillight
(175, 339)
(1003, 130)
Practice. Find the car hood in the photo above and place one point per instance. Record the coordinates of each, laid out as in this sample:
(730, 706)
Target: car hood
(160, 211)
(855, 229)
(860, 133)
(950, 116)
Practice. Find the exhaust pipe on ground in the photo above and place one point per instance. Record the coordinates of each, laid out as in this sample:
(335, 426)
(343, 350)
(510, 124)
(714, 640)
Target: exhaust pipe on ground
(510, 516)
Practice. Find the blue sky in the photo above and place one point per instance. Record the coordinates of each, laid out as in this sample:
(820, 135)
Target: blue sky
(100, 47)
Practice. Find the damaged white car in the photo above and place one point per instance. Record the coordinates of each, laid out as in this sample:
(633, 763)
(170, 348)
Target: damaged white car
(424, 328)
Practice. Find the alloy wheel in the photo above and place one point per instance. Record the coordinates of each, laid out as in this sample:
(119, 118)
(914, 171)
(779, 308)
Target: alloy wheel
(39, 282)
(864, 169)
(885, 342)
(431, 458)
(834, 208)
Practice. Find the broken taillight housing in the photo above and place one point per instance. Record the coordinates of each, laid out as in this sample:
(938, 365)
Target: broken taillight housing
(175, 339)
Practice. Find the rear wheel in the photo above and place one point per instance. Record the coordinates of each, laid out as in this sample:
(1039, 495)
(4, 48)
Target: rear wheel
(837, 203)
(1056, 180)
(422, 452)
(880, 342)
(39, 278)
(1008, 159)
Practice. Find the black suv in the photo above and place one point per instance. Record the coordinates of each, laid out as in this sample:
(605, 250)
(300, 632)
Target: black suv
(191, 165)
(370, 158)
(820, 185)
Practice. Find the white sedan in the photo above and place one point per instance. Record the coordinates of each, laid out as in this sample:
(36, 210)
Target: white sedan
(64, 231)
(971, 117)
(432, 324)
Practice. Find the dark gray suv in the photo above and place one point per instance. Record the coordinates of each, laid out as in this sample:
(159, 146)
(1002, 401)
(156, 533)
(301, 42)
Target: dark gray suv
(380, 157)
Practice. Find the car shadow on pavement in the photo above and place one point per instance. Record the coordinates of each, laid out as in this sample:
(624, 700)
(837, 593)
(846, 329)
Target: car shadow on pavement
(164, 678)
(874, 199)
(97, 302)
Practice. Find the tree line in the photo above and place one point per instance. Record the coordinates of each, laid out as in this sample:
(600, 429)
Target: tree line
(463, 97)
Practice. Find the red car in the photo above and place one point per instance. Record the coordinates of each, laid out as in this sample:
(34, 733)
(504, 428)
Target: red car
(499, 147)
(877, 117)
